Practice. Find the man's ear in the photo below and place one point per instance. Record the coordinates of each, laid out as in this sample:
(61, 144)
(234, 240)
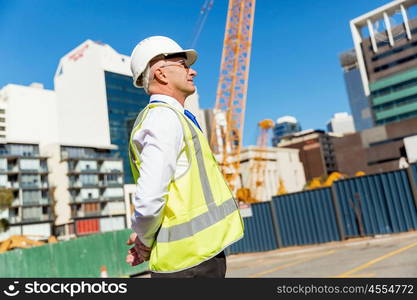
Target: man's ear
(160, 76)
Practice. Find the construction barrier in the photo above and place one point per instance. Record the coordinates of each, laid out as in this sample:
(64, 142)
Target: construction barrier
(259, 231)
(86, 256)
(367, 205)
(306, 217)
(377, 204)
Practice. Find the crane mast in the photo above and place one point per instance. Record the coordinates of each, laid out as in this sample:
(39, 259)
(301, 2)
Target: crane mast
(229, 111)
(257, 174)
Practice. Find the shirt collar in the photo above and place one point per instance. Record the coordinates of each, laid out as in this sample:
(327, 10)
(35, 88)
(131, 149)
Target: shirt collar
(168, 100)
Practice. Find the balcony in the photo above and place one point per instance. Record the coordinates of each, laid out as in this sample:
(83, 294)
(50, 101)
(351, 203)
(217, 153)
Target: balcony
(89, 171)
(89, 184)
(12, 185)
(112, 198)
(83, 155)
(33, 185)
(34, 171)
(114, 184)
(110, 184)
(14, 219)
(83, 214)
(108, 212)
(16, 202)
(111, 171)
(76, 199)
(79, 199)
(36, 218)
(10, 169)
(86, 171)
(36, 202)
(75, 184)
(30, 185)
(29, 170)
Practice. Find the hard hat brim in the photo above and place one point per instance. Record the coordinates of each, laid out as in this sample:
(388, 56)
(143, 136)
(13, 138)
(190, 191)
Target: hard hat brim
(190, 60)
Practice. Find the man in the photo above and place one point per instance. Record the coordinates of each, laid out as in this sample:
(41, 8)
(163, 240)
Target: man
(185, 214)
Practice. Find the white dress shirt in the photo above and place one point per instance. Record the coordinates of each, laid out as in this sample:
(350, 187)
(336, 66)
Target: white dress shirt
(160, 144)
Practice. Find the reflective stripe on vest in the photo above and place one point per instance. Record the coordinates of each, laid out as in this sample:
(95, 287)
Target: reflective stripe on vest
(212, 216)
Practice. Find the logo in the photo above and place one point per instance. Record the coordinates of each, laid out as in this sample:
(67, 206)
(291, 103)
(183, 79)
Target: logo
(11, 292)
(78, 53)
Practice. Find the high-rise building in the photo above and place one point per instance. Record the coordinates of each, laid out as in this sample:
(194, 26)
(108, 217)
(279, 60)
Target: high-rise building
(341, 123)
(24, 172)
(27, 115)
(385, 41)
(97, 102)
(358, 101)
(284, 126)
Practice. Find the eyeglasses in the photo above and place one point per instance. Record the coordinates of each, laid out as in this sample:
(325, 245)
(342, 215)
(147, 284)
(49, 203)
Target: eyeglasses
(180, 63)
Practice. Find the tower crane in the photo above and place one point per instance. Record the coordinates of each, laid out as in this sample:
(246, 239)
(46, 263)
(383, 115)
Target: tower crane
(229, 111)
(204, 12)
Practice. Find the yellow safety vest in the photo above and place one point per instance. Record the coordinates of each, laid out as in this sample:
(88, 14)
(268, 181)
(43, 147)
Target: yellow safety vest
(201, 217)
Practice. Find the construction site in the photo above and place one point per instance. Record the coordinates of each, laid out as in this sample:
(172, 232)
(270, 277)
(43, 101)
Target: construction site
(308, 198)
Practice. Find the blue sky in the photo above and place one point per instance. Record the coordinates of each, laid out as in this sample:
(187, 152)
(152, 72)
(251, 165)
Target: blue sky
(294, 64)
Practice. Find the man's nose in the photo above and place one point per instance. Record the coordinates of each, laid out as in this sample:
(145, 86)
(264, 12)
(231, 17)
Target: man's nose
(192, 72)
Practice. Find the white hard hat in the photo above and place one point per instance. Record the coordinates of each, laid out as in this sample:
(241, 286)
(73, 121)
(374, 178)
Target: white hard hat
(151, 47)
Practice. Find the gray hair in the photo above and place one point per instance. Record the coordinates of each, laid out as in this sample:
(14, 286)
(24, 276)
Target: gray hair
(146, 78)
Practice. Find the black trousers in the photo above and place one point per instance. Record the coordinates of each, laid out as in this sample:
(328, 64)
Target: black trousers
(213, 268)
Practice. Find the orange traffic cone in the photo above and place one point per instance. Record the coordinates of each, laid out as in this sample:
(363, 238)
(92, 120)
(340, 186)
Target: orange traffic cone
(103, 272)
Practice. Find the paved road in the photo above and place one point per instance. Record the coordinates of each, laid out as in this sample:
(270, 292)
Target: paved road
(381, 256)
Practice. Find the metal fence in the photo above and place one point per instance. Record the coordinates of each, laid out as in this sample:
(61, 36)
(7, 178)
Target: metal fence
(306, 217)
(367, 205)
(377, 204)
(260, 234)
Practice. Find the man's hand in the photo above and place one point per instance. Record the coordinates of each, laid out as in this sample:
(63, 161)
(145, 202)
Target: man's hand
(138, 253)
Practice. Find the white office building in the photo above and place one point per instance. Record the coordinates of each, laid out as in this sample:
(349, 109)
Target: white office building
(263, 170)
(341, 123)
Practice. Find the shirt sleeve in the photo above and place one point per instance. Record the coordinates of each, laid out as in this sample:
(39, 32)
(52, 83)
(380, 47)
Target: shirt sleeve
(158, 142)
